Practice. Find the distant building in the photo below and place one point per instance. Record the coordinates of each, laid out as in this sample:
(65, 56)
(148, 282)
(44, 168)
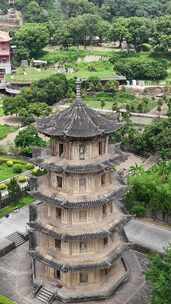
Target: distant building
(5, 60)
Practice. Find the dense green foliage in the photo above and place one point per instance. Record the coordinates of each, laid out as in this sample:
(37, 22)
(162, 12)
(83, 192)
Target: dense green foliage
(159, 276)
(136, 68)
(27, 139)
(154, 138)
(34, 101)
(4, 5)
(150, 191)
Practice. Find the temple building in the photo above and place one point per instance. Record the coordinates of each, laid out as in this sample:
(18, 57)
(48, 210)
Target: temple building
(77, 242)
(5, 56)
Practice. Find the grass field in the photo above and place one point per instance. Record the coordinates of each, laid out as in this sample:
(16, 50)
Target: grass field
(30, 75)
(4, 300)
(69, 58)
(24, 201)
(82, 69)
(5, 130)
(121, 99)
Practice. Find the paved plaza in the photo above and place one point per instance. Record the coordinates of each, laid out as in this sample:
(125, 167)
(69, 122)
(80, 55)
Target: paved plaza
(16, 283)
(17, 221)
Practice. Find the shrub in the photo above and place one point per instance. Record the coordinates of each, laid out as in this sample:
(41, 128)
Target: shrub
(9, 163)
(17, 168)
(29, 166)
(138, 210)
(38, 171)
(3, 187)
(22, 179)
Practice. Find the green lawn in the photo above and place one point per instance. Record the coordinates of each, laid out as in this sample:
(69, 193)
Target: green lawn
(122, 99)
(4, 300)
(100, 69)
(24, 201)
(30, 75)
(7, 172)
(5, 130)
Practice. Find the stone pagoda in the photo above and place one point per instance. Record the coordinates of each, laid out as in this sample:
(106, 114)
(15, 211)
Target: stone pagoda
(76, 240)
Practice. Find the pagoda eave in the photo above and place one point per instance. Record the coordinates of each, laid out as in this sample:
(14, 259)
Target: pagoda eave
(62, 203)
(84, 169)
(105, 263)
(100, 234)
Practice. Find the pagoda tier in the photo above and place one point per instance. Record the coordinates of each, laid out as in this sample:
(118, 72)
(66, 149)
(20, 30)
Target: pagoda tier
(59, 201)
(76, 237)
(90, 234)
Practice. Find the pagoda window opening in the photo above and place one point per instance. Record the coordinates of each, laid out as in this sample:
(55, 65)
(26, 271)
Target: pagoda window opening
(107, 270)
(100, 148)
(57, 274)
(104, 210)
(83, 247)
(82, 151)
(83, 215)
(111, 207)
(58, 244)
(105, 241)
(103, 179)
(82, 184)
(83, 277)
(61, 150)
(59, 181)
(58, 213)
(53, 146)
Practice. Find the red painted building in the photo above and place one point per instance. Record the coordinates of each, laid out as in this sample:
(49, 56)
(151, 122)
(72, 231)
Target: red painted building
(5, 60)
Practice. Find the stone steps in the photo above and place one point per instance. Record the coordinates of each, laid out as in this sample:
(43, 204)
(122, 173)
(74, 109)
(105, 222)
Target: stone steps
(16, 238)
(44, 295)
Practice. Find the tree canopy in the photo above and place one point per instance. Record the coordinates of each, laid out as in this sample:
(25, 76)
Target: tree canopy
(149, 192)
(159, 275)
(30, 39)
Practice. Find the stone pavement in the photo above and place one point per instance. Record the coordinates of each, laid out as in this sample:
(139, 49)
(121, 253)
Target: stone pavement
(148, 235)
(15, 279)
(17, 221)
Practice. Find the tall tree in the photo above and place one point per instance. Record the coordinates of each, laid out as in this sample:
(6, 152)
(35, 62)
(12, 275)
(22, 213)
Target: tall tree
(32, 37)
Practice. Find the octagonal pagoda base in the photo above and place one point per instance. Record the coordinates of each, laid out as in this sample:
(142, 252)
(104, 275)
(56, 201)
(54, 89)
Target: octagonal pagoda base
(128, 286)
(15, 280)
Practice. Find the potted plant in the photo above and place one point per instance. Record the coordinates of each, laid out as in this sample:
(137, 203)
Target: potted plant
(3, 190)
(23, 182)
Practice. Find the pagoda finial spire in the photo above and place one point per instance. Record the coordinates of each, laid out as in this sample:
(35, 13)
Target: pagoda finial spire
(78, 89)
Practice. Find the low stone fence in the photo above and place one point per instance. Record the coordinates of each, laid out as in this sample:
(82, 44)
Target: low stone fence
(6, 246)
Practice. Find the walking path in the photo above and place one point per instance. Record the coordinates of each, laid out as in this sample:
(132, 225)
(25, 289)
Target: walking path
(148, 235)
(17, 221)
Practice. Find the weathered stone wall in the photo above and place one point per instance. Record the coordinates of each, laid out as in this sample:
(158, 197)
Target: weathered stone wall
(71, 150)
